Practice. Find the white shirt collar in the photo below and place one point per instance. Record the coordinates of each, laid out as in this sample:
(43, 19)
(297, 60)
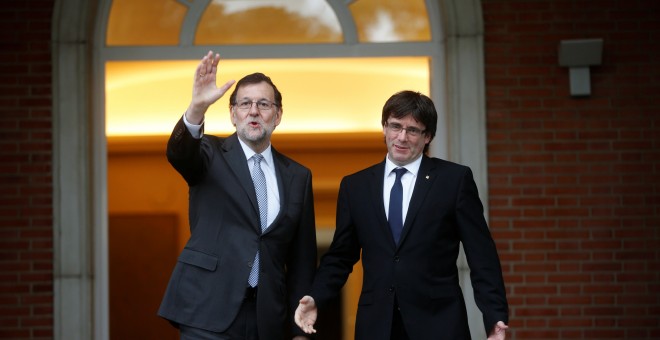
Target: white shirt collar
(268, 153)
(412, 167)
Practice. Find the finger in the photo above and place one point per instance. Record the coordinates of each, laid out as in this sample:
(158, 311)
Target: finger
(209, 64)
(304, 324)
(200, 71)
(224, 88)
(214, 63)
(203, 65)
(208, 60)
(307, 329)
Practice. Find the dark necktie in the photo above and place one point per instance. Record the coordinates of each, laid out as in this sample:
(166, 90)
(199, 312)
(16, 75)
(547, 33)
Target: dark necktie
(260, 188)
(396, 205)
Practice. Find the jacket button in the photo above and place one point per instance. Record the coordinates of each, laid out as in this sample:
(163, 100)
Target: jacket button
(396, 259)
(249, 264)
(391, 289)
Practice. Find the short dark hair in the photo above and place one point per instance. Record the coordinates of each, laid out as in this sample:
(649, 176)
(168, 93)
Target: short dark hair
(421, 107)
(256, 78)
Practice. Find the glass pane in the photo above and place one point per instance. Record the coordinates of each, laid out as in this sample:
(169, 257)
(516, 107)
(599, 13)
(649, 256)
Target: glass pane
(268, 22)
(319, 95)
(145, 22)
(391, 20)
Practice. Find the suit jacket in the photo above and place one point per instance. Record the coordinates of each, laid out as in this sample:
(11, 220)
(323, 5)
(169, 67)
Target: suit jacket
(421, 272)
(208, 283)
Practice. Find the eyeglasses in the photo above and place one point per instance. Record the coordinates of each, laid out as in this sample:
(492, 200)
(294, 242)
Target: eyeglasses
(410, 131)
(262, 105)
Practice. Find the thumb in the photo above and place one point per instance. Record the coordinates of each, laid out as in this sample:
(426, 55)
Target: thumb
(305, 300)
(224, 88)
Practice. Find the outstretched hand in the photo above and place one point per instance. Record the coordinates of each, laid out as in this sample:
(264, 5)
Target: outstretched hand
(306, 313)
(498, 332)
(205, 91)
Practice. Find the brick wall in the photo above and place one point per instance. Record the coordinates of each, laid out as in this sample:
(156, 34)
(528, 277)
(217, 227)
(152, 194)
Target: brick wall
(574, 183)
(26, 233)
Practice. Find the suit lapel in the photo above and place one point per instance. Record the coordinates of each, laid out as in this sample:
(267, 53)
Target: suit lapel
(376, 183)
(238, 164)
(425, 178)
(284, 178)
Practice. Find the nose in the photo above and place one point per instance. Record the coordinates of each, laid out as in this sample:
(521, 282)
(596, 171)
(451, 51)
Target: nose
(253, 109)
(402, 135)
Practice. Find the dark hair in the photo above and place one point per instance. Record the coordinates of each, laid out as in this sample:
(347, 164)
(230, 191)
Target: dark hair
(421, 107)
(255, 78)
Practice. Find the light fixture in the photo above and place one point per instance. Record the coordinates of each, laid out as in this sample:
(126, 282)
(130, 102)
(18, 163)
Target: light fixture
(578, 55)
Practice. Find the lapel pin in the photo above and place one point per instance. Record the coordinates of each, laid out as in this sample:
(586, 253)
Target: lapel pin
(427, 176)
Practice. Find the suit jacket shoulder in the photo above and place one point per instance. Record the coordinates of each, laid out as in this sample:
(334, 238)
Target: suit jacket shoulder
(287, 161)
(191, 156)
(428, 164)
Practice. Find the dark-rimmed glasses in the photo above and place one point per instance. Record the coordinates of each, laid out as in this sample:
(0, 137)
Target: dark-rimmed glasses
(262, 105)
(410, 131)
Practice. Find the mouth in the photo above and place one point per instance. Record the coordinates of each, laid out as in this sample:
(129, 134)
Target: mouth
(399, 147)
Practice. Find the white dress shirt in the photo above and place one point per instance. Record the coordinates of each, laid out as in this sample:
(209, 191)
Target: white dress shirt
(407, 181)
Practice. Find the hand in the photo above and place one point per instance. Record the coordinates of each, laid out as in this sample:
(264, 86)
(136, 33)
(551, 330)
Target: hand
(205, 91)
(305, 315)
(498, 332)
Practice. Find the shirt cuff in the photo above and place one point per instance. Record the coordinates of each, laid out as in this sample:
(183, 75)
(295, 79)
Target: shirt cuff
(195, 130)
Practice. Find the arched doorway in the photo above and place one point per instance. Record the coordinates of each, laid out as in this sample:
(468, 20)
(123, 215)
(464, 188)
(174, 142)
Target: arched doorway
(81, 230)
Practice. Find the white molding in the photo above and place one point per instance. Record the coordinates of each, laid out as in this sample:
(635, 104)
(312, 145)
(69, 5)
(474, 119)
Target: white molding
(265, 51)
(73, 277)
(346, 22)
(466, 113)
(467, 104)
(193, 15)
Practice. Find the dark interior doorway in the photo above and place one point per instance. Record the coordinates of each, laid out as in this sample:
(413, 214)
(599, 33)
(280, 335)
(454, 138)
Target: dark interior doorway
(143, 250)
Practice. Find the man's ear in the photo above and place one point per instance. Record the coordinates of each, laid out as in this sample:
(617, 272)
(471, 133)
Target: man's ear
(278, 116)
(232, 117)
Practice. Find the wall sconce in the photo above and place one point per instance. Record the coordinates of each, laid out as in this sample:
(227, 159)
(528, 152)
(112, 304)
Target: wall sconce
(578, 55)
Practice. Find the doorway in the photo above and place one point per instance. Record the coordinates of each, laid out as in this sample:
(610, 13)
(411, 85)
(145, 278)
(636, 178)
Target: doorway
(143, 250)
(80, 163)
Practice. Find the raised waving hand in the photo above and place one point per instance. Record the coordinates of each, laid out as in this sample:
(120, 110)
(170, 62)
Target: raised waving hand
(205, 91)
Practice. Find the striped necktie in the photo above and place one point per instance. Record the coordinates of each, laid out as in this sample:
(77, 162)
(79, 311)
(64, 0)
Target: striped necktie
(260, 188)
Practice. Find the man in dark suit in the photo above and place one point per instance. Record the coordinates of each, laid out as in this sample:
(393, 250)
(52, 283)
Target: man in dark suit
(407, 217)
(252, 249)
